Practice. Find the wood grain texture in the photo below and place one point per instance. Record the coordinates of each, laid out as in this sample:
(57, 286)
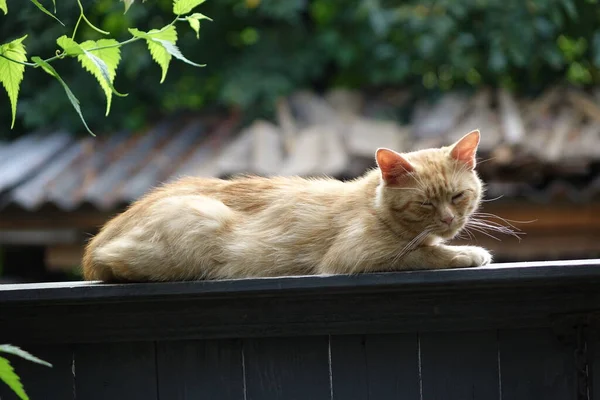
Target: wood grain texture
(388, 364)
(534, 365)
(287, 368)
(460, 365)
(522, 295)
(200, 369)
(594, 359)
(393, 366)
(532, 273)
(349, 371)
(39, 380)
(115, 371)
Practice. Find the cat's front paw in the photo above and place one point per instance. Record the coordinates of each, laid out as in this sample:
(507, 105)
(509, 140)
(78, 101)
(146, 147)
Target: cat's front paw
(470, 256)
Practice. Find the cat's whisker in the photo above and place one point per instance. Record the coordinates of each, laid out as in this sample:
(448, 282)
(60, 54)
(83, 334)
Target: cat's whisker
(468, 233)
(484, 214)
(486, 160)
(413, 243)
(494, 199)
(420, 183)
(461, 168)
(485, 233)
(462, 236)
(489, 226)
(456, 171)
(485, 218)
(496, 224)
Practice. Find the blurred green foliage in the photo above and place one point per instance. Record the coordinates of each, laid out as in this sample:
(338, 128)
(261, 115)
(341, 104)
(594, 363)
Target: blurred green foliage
(257, 50)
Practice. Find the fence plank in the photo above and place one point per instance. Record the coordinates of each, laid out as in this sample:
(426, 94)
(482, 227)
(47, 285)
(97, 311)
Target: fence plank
(534, 365)
(349, 367)
(514, 295)
(460, 365)
(39, 381)
(200, 369)
(287, 368)
(375, 366)
(595, 367)
(115, 371)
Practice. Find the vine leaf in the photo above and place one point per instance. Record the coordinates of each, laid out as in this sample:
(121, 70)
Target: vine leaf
(128, 4)
(11, 73)
(173, 50)
(102, 63)
(181, 7)
(7, 373)
(8, 376)
(14, 350)
(100, 58)
(194, 21)
(45, 11)
(3, 6)
(71, 47)
(74, 101)
(161, 44)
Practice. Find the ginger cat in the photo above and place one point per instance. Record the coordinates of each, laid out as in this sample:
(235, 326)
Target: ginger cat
(395, 217)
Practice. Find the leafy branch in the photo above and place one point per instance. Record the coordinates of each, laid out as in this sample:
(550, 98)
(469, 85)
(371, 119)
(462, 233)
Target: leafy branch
(100, 58)
(7, 373)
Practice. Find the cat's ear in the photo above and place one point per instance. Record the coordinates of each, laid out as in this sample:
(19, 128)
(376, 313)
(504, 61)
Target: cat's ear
(393, 166)
(465, 149)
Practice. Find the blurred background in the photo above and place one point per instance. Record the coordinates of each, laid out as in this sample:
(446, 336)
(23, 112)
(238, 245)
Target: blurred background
(308, 87)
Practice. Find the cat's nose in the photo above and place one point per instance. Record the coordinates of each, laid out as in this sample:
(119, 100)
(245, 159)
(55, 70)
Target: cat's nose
(447, 219)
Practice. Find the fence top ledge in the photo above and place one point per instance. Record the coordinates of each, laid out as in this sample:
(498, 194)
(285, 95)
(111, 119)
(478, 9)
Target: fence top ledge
(500, 274)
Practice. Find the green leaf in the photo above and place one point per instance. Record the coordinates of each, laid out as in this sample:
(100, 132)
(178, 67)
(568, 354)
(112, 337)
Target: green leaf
(194, 21)
(10, 349)
(173, 50)
(71, 47)
(158, 52)
(161, 44)
(8, 376)
(74, 101)
(102, 63)
(128, 4)
(43, 9)
(200, 16)
(11, 73)
(195, 25)
(570, 8)
(161, 56)
(181, 7)
(166, 33)
(3, 6)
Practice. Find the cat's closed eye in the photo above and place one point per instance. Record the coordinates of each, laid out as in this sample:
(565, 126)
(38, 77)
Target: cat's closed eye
(427, 204)
(458, 196)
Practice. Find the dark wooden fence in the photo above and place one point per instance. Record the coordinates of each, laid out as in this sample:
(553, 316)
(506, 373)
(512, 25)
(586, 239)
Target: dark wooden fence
(509, 331)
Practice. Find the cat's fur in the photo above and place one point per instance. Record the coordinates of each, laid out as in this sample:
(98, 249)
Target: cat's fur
(395, 217)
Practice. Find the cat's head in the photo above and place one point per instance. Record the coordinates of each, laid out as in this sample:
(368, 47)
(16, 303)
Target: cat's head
(433, 189)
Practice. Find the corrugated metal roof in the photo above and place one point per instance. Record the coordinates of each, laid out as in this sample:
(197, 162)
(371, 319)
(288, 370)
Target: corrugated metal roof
(40, 169)
(560, 156)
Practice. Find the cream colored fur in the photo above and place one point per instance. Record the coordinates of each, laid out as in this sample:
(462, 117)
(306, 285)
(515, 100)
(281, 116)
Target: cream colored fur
(392, 218)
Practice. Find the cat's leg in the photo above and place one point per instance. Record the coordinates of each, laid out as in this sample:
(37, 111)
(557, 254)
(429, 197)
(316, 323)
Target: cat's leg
(442, 256)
